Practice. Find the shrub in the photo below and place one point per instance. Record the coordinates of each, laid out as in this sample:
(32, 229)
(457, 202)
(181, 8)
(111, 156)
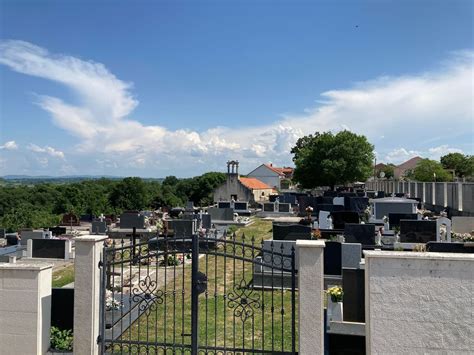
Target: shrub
(61, 339)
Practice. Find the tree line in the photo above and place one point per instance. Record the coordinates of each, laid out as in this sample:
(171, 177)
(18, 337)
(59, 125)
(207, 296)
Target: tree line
(42, 205)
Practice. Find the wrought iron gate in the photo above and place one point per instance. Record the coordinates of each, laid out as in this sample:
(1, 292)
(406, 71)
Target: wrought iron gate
(199, 295)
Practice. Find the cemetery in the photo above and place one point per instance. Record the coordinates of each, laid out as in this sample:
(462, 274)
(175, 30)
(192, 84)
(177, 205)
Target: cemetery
(350, 252)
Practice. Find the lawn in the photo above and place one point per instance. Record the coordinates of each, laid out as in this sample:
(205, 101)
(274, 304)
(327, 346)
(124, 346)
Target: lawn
(63, 276)
(259, 319)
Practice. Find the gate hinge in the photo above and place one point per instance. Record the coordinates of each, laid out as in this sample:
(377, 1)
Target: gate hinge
(100, 264)
(99, 339)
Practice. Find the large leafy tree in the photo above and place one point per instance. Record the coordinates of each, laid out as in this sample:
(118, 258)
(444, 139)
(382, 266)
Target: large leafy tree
(325, 159)
(129, 194)
(429, 170)
(463, 165)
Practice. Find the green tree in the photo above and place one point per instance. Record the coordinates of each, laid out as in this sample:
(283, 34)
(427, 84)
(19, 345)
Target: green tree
(429, 170)
(324, 159)
(129, 194)
(463, 165)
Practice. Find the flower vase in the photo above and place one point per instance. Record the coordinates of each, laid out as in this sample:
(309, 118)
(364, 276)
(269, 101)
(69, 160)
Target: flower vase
(335, 311)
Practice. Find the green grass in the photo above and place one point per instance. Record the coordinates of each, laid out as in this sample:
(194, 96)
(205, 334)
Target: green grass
(219, 325)
(63, 276)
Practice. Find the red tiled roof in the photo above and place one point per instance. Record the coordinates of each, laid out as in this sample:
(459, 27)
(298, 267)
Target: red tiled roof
(410, 164)
(280, 171)
(254, 184)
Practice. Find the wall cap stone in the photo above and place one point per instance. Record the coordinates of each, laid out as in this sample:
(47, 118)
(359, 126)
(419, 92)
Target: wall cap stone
(90, 238)
(417, 255)
(25, 266)
(302, 243)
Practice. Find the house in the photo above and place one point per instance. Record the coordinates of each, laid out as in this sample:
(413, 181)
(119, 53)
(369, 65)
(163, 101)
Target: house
(400, 170)
(278, 178)
(241, 188)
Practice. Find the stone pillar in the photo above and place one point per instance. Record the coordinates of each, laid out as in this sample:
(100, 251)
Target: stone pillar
(445, 191)
(311, 296)
(459, 196)
(29, 248)
(87, 293)
(25, 308)
(433, 193)
(424, 192)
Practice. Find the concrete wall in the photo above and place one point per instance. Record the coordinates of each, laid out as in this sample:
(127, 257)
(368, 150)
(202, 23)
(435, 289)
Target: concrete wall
(458, 196)
(419, 303)
(266, 175)
(25, 308)
(233, 186)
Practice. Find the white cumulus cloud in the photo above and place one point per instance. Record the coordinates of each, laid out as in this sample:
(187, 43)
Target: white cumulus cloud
(405, 111)
(10, 145)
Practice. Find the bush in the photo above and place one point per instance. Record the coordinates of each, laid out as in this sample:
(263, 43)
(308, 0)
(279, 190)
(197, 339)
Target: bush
(61, 339)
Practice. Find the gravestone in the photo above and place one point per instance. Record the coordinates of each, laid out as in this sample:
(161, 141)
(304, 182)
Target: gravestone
(380, 194)
(223, 204)
(394, 218)
(342, 344)
(340, 218)
(62, 307)
(329, 207)
(12, 239)
(356, 204)
(291, 232)
(330, 193)
(445, 247)
(446, 235)
(206, 221)
(323, 220)
(353, 284)
(70, 219)
(241, 206)
(183, 227)
(279, 248)
(2, 232)
(384, 206)
(49, 248)
(330, 233)
(371, 194)
(99, 227)
(332, 258)
(221, 214)
(417, 231)
(269, 207)
(27, 235)
(57, 231)
(284, 207)
(351, 255)
(132, 219)
(462, 224)
(360, 233)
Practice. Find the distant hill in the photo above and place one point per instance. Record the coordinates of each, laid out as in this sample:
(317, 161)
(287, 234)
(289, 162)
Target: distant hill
(31, 180)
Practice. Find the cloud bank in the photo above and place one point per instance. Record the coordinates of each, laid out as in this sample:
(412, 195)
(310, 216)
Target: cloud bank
(393, 112)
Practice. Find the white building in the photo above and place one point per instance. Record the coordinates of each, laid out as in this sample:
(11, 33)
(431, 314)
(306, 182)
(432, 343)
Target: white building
(278, 178)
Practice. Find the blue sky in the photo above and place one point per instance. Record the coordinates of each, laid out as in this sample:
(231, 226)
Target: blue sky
(179, 87)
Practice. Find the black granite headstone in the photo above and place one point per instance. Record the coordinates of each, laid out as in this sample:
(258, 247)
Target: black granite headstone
(269, 207)
(223, 205)
(206, 221)
(49, 248)
(332, 258)
(371, 194)
(283, 207)
(330, 233)
(380, 194)
(56, 231)
(340, 218)
(99, 227)
(444, 247)
(12, 239)
(394, 218)
(353, 284)
(356, 204)
(417, 231)
(241, 206)
(291, 232)
(132, 220)
(330, 193)
(62, 307)
(359, 233)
